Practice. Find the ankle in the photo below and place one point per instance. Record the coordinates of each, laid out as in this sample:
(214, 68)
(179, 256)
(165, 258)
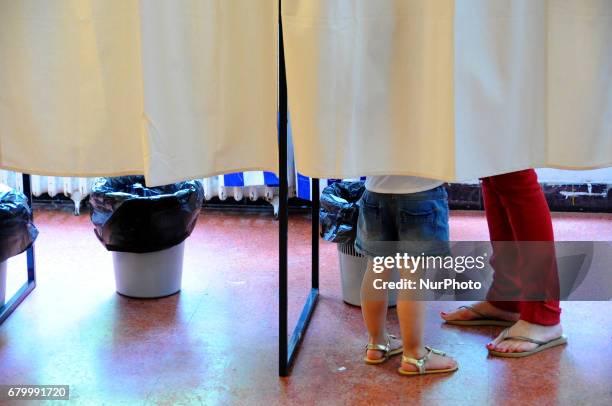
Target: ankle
(382, 339)
(500, 308)
(415, 351)
(537, 325)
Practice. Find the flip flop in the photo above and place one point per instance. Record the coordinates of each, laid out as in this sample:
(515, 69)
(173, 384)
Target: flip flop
(420, 364)
(541, 345)
(483, 320)
(385, 348)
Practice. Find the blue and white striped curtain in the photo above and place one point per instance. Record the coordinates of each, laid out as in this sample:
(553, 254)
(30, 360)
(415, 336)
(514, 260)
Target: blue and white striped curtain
(251, 178)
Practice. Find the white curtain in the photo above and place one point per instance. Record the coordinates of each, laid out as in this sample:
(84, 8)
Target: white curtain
(448, 89)
(71, 97)
(172, 89)
(210, 74)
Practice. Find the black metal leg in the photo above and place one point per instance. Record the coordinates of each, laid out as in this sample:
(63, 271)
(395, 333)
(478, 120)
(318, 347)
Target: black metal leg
(314, 194)
(288, 348)
(27, 190)
(27, 287)
(311, 300)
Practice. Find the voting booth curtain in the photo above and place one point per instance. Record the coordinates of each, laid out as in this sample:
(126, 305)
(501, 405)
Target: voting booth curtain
(174, 90)
(210, 74)
(71, 93)
(446, 89)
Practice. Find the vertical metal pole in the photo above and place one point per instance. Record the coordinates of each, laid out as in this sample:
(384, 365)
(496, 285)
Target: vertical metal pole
(315, 232)
(27, 191)
(283, 211)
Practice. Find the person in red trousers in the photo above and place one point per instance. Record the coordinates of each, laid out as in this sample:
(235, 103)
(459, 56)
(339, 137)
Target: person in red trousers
(516, 211)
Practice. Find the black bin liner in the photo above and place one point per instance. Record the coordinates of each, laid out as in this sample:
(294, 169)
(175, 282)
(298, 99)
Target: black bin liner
(340, 211)
(130, 217)
(17, 230)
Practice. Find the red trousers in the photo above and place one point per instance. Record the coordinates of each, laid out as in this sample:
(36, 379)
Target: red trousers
(516, 210)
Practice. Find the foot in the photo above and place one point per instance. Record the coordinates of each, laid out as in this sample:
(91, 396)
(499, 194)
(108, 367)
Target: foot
(525, 329)
(377, 354)
(483, 308)
(435, 361)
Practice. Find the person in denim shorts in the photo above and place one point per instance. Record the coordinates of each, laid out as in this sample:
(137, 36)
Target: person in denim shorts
(400, 214)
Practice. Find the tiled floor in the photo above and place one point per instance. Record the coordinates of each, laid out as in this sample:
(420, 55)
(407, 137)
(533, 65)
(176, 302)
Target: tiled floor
(216, 341)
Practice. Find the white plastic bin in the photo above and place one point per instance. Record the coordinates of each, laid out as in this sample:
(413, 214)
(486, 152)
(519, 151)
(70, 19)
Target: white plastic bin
(353, 267)
(149, 275)
(2, 282)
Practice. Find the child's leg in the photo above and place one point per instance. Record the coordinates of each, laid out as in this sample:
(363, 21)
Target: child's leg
(411, 314)
(411, 317)
(374, 304)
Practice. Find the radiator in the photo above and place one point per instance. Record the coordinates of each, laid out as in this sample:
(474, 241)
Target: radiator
(76, 189)
(245, 185)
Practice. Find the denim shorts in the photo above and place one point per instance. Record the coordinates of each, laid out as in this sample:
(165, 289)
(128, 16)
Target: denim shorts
(411, 223)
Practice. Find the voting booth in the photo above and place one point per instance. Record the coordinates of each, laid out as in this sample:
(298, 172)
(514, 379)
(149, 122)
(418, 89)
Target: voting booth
(449, 90)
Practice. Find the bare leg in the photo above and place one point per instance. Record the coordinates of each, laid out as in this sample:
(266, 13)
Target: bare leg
(411, 316)
(374, 304)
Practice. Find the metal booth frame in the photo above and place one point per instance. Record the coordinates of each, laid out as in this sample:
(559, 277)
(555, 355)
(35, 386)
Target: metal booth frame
(9, 307)
(289, 347)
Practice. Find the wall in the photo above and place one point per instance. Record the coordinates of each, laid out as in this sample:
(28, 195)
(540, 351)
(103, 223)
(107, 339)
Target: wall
(560, 176)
